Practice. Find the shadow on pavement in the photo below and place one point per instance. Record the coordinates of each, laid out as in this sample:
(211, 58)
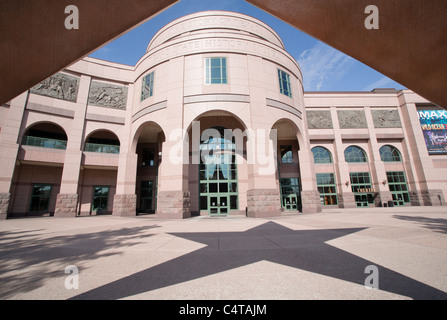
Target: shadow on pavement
(314, 255)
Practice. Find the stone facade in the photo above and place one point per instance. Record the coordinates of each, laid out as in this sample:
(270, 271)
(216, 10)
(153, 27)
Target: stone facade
(310, 201)
(346, 200)
(66, 205)
(173, 205)
(263, 203)
(124, 204)
(99, 105)
(4, 204)
(433, 198)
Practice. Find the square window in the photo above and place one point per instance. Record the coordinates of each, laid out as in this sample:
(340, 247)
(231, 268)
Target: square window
(147, 89)
(216, 70)
(284, 83)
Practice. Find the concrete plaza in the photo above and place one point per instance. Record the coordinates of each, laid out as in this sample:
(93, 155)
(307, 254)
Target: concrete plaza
(295, 256)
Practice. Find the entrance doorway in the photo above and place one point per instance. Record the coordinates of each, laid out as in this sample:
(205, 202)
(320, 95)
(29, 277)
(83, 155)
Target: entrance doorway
(218, 184)
(146, 197)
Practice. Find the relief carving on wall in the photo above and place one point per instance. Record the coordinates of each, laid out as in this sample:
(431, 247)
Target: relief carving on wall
(352, 119)
(59, 86)
(386, 119)
(107, 95)
(319, 120)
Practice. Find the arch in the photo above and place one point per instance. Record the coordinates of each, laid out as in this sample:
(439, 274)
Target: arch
(102, 141)
(287, 129)
(355, 154)
(147, 131)
(389, 153)
(45, 134)
(321, 155)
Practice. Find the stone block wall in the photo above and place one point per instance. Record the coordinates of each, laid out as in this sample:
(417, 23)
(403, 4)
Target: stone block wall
(173, 205)
(310, 201)
(263, 203)
(66, 205)
(4, 204)
(125, 205)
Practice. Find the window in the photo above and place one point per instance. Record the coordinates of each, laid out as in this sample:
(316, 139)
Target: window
(355, 154)
(321, 155)
(215, 70)
(362, 188)
(398, 187)
(40, 198)
(286, 154)
(390, 154)
(147, 88)
(284, 83)
(100, 198)
(326, 188)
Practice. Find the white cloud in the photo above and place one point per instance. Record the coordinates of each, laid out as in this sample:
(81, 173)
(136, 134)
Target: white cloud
(381, 83)
(322, 65)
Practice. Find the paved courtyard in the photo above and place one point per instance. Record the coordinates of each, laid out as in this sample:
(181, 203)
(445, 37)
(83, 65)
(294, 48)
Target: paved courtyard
(336, 254)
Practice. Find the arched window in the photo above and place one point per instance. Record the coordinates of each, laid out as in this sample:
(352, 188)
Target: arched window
(321, 155)
(390, 154)
(355, 154)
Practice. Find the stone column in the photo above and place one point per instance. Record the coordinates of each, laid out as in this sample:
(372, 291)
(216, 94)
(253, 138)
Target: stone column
(173, 200)
(9, 149)
(310, 197)
(346, 200)
(67, 199)
(345, 195)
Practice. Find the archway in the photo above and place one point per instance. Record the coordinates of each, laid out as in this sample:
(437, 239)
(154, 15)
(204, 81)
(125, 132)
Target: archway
(148, 146)
(217, 178)
(288, 165)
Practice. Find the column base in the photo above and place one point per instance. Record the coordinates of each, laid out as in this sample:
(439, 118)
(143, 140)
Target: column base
(310, 201)
(125, 205)
(433, 197)
(4, 205)
(262, 203)
(382, 197)
(173, 205)
(346, 200)
(66, 205)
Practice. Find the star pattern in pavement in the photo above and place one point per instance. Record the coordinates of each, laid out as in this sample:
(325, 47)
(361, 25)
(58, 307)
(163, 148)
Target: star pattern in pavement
(306, 250)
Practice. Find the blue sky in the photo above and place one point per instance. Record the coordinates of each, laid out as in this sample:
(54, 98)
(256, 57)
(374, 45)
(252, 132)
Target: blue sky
(324, 68)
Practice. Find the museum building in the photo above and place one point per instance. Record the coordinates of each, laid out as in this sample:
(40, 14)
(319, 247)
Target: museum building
(213, 120)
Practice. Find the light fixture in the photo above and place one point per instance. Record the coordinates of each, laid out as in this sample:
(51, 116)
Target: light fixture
(384, 182)
(347, 183)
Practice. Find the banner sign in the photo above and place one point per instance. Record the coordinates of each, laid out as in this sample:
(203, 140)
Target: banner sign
(434, 127)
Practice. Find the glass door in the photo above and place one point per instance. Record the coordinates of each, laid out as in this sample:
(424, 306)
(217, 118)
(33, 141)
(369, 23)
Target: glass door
(218, 205)
(100, 199)
(146, 196)
(218, 185)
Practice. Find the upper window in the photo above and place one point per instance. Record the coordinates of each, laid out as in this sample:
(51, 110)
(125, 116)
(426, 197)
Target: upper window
(284, 83)
(321, 155)
(286, 154)
(147, 88)
(355, 154)
(215, 70)
(390, 154)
